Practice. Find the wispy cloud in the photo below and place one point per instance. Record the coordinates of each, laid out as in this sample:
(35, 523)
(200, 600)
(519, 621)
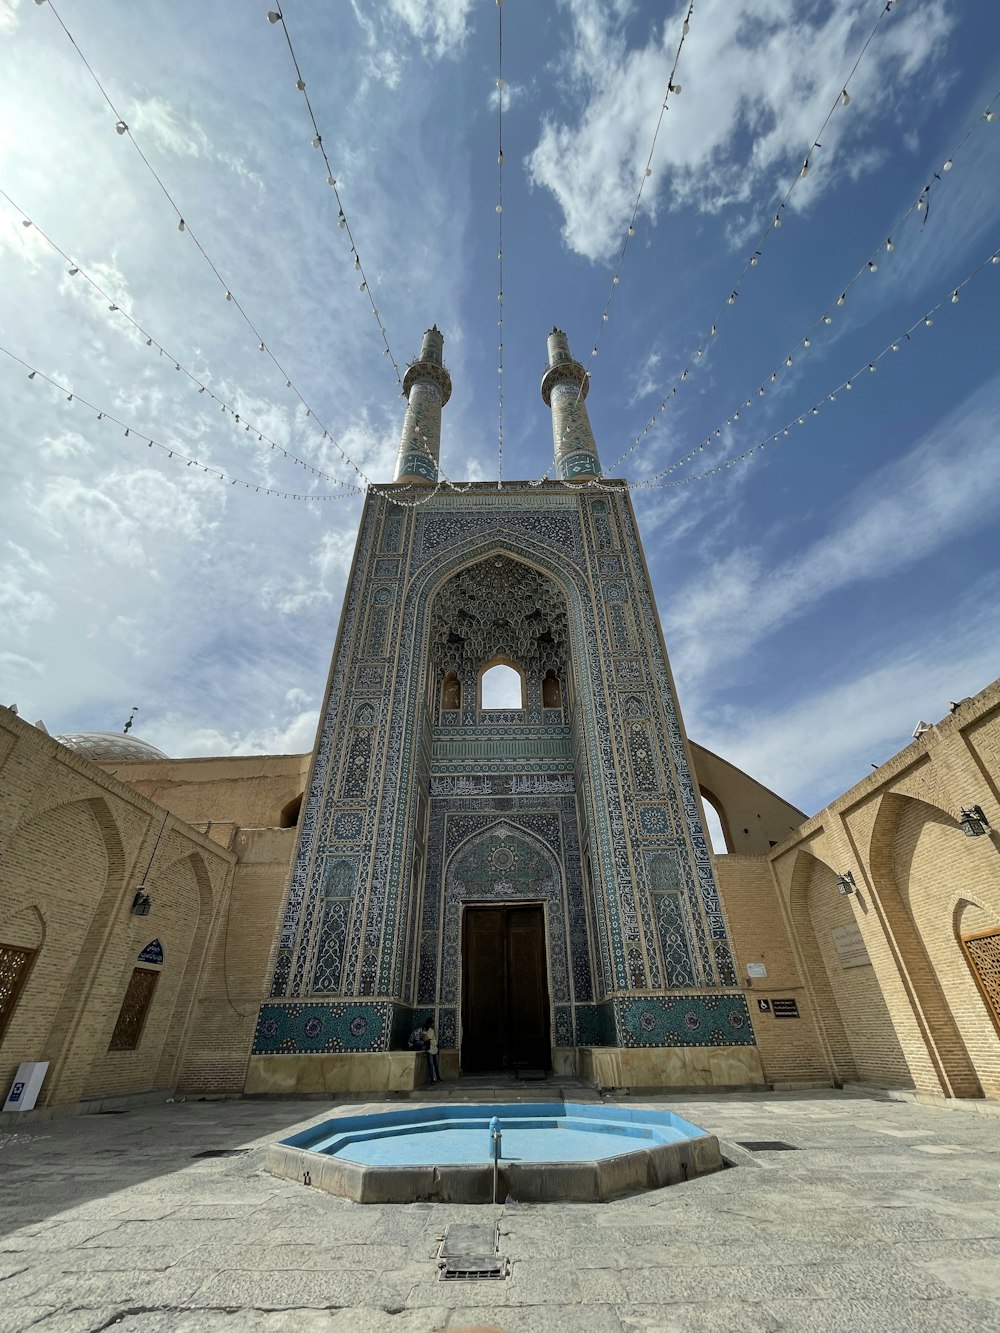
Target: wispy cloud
(814, 747)
(750, 70)
(907, 510)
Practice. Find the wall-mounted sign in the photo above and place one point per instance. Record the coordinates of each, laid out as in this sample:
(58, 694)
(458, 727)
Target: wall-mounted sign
(153, 953)
(787, 1008)
(850, 946)
(756, 970)
(764, 1006)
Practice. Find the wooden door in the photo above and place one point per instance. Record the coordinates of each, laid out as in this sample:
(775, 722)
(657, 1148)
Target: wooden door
(505, 998)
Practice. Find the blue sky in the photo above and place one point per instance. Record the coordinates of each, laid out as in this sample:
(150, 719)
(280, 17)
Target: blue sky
(817, 599)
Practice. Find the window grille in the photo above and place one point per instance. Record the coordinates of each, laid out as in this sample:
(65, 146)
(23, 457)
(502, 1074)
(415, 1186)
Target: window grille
(135, 1007)
(15, 964)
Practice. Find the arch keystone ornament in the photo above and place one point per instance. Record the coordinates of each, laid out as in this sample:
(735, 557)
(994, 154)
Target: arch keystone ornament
(558, 845)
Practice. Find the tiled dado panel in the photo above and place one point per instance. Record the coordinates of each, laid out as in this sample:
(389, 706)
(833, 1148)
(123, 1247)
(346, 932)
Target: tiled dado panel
(319, 1028)
(687, 1020)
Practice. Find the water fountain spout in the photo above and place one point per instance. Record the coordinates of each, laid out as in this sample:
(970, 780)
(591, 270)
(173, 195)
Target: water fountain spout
(496, 1139)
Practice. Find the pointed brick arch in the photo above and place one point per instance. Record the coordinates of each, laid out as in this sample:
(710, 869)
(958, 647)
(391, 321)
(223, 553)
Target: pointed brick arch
(806, 872)
(891, 880)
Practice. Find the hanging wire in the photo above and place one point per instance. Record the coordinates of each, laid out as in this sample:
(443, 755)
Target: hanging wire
(342, 220)
(842, 100)
(672, 87)
(866, 269)
(123, 129)
(76, 269)
(926, 320)
(500, 326)
(131, 433)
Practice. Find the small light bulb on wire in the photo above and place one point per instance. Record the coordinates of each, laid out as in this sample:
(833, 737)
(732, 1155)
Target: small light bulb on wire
(841, 298)
(948, 165)
(777, 220)
(954, 297)
(927, 321)
(120, 126)
(73, 271)
(805, 168)
(180, 225)
(872, 266)
(631, 231)
(845, 98)
(273, 16)
(827, 319)
(301, 85)
(889, 245)
(317, 141)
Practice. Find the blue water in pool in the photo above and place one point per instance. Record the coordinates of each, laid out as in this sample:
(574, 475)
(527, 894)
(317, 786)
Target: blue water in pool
(459, 1135)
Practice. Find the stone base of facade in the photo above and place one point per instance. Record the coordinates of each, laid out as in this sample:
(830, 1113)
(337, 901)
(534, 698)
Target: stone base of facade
(335, 1073)
(671, 1067)
(382, 1072)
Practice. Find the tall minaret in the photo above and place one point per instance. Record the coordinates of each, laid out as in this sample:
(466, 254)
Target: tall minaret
(564, 387)
(427, 386)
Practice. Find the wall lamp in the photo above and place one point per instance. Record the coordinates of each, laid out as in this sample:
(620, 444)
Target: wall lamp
(142, 902)
(845, 882)
(973, 822)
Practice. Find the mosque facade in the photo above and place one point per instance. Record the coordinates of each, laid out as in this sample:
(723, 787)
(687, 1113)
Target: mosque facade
(535, 878)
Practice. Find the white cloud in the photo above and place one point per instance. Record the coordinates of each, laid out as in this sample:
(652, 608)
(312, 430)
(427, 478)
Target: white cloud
(749, 68)
(8, 17)
(904, 512)
(441, 28)
(811, 749)
(116, 519)
(66, 444)
(293, 735)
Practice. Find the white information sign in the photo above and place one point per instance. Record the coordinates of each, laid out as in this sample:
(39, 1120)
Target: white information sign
(850, 946)
(756, 970)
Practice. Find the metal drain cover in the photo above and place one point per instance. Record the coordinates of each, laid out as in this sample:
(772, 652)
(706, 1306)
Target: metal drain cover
(221, 1152)
(766, 1145)
(470, 1254)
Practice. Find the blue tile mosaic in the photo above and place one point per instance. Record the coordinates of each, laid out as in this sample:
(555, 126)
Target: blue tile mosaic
(689, 1020)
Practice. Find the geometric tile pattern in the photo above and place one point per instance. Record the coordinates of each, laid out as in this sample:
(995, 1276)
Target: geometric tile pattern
(596, 795)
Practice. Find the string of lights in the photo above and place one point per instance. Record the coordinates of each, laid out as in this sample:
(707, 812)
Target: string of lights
(76, 270)
(122, 128)
(673, 87)
(277, 16)
(897, 344)
(131, 433)
(840, 102)
(500, 92)
(917, 208)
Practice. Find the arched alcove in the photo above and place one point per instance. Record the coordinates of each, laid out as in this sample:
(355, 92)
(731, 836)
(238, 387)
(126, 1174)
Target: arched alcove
(551, 690)
(802, 899)
(716, 823)
(289, 816)
(916, 852)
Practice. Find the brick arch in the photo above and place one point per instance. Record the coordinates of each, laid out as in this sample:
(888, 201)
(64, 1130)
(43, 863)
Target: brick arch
(83, 948)
(185, 1005)
(891, 876)
(807, 869)
(711, 799)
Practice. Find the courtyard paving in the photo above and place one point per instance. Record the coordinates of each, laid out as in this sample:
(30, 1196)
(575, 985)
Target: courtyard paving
(885, 1216)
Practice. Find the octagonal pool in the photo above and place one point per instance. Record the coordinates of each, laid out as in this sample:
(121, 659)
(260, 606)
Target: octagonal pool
(546, 1151)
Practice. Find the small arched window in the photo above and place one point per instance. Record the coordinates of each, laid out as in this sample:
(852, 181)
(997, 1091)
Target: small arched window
(451, 693)
(551, 690)
(502, 686)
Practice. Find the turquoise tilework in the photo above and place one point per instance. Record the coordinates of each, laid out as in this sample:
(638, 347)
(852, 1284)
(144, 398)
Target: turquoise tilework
(688, 1020)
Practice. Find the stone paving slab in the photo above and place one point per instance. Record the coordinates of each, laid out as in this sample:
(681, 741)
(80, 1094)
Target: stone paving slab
(113, 1222)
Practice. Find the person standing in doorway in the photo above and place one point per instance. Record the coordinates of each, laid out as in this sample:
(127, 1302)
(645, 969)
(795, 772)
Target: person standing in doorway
(430, 1037)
